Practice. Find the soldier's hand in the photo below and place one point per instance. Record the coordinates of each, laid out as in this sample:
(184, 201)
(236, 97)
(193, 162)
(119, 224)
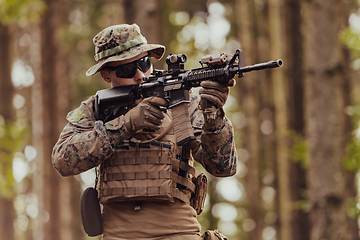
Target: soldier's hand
(214, 92)
(146, 114)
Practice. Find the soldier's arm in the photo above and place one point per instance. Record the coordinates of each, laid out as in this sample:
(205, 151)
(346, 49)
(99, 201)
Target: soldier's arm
(216, 150)
(84, 142)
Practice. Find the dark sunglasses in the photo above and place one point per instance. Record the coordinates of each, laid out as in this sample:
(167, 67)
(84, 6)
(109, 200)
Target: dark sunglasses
(129, 70)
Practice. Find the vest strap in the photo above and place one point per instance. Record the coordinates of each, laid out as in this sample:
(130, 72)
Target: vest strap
(137, 191)
(184, 181)
(182, 196)
(138, 161)
(184, 166)
(137, 176)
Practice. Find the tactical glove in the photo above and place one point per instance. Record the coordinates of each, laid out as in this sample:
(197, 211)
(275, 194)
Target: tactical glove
(217, 94)
(214, 92)
(146, 114)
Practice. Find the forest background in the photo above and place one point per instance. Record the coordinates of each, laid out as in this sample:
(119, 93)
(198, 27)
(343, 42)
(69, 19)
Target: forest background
(296, 127)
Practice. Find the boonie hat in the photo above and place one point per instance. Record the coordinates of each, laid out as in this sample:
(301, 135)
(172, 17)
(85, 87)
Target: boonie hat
(120, 42)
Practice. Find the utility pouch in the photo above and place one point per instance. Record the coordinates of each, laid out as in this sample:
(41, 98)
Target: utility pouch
(198, 198)
(90, 212)
(213, 235)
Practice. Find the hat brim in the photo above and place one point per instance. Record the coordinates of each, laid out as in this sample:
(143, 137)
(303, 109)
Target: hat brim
(155, 50)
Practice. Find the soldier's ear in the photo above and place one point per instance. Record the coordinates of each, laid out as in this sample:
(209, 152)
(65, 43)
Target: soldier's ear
(106, 76)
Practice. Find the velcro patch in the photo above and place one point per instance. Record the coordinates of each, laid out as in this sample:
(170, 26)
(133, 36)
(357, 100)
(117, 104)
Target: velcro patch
(75, 116)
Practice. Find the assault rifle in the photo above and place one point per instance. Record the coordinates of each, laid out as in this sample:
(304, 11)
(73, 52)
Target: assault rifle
(174, 85)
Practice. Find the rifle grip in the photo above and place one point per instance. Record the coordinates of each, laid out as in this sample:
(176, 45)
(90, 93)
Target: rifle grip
(182, 124)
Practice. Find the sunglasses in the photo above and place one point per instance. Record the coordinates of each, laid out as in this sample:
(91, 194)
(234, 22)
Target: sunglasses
(129, 70)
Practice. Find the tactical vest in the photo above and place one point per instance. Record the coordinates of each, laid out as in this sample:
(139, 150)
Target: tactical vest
(142, 169)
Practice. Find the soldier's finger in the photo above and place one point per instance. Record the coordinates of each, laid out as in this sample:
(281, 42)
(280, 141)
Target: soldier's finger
(212, 99)
(222, 97)
(154, 111)
(151, 126)
(154, 120)
(215, 85)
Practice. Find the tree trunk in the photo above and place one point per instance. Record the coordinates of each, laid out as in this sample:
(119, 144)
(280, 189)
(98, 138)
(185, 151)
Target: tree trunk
(294, 73)
(50, 192)
(249, 102)
(326, 133)
(280, 98)
(6, 111)
(350, 192)
(146, 14)
(69, 187)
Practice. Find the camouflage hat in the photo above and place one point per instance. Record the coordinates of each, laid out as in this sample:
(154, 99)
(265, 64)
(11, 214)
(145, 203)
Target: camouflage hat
(121, 42)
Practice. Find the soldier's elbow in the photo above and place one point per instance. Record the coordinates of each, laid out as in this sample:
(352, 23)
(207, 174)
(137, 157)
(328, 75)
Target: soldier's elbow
(59, 166)
(221, 170)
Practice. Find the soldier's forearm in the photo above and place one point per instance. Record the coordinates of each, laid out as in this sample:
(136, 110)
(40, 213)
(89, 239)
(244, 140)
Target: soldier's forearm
(218, 153)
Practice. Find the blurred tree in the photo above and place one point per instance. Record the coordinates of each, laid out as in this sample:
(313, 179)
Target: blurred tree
(294, 75)
(282, 160)
(48, 121)
(327, 76)
(69, 187)
(146, 14)
(248, 98)
(350, 89)
(12, 137)
(7, 115)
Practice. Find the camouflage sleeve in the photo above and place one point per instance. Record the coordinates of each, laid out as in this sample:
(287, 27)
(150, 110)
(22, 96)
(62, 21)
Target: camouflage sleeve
(216, 150)
(84, 142)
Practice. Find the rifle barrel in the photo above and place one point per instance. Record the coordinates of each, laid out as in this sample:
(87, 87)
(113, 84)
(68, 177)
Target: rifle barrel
(260, 66)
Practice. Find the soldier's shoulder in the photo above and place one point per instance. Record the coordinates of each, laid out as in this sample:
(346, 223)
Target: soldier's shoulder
(84, 115)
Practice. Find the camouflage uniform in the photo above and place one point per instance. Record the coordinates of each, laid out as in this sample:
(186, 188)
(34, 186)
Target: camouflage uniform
(86, 143)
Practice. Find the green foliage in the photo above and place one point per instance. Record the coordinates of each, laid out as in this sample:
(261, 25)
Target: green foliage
(303, 205)
(20, 10)
(298, 150)
(354, 112)
(12, 138)
(352, 210)
(352, 40)
(352, 158)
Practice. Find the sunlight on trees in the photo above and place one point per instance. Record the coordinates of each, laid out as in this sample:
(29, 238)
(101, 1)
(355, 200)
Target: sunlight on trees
(248, 224)
(207, 32)
(21, 163)
(230, 188)
(269, 233)
(20, 169)
(179, 18)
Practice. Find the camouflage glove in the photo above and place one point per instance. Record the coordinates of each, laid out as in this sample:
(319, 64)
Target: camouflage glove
(214, 92)
(146, 114)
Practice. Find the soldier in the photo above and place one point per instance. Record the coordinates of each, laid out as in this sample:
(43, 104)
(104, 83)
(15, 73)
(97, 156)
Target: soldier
(139, 187)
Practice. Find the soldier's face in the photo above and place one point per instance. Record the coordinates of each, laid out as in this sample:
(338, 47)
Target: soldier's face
(111, 76)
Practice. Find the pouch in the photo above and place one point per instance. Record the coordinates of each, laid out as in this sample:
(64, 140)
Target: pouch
(90, 212)
(198, 199)
(213, 235)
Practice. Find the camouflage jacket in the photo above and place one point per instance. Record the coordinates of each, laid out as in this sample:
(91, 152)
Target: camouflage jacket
(85, 143)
